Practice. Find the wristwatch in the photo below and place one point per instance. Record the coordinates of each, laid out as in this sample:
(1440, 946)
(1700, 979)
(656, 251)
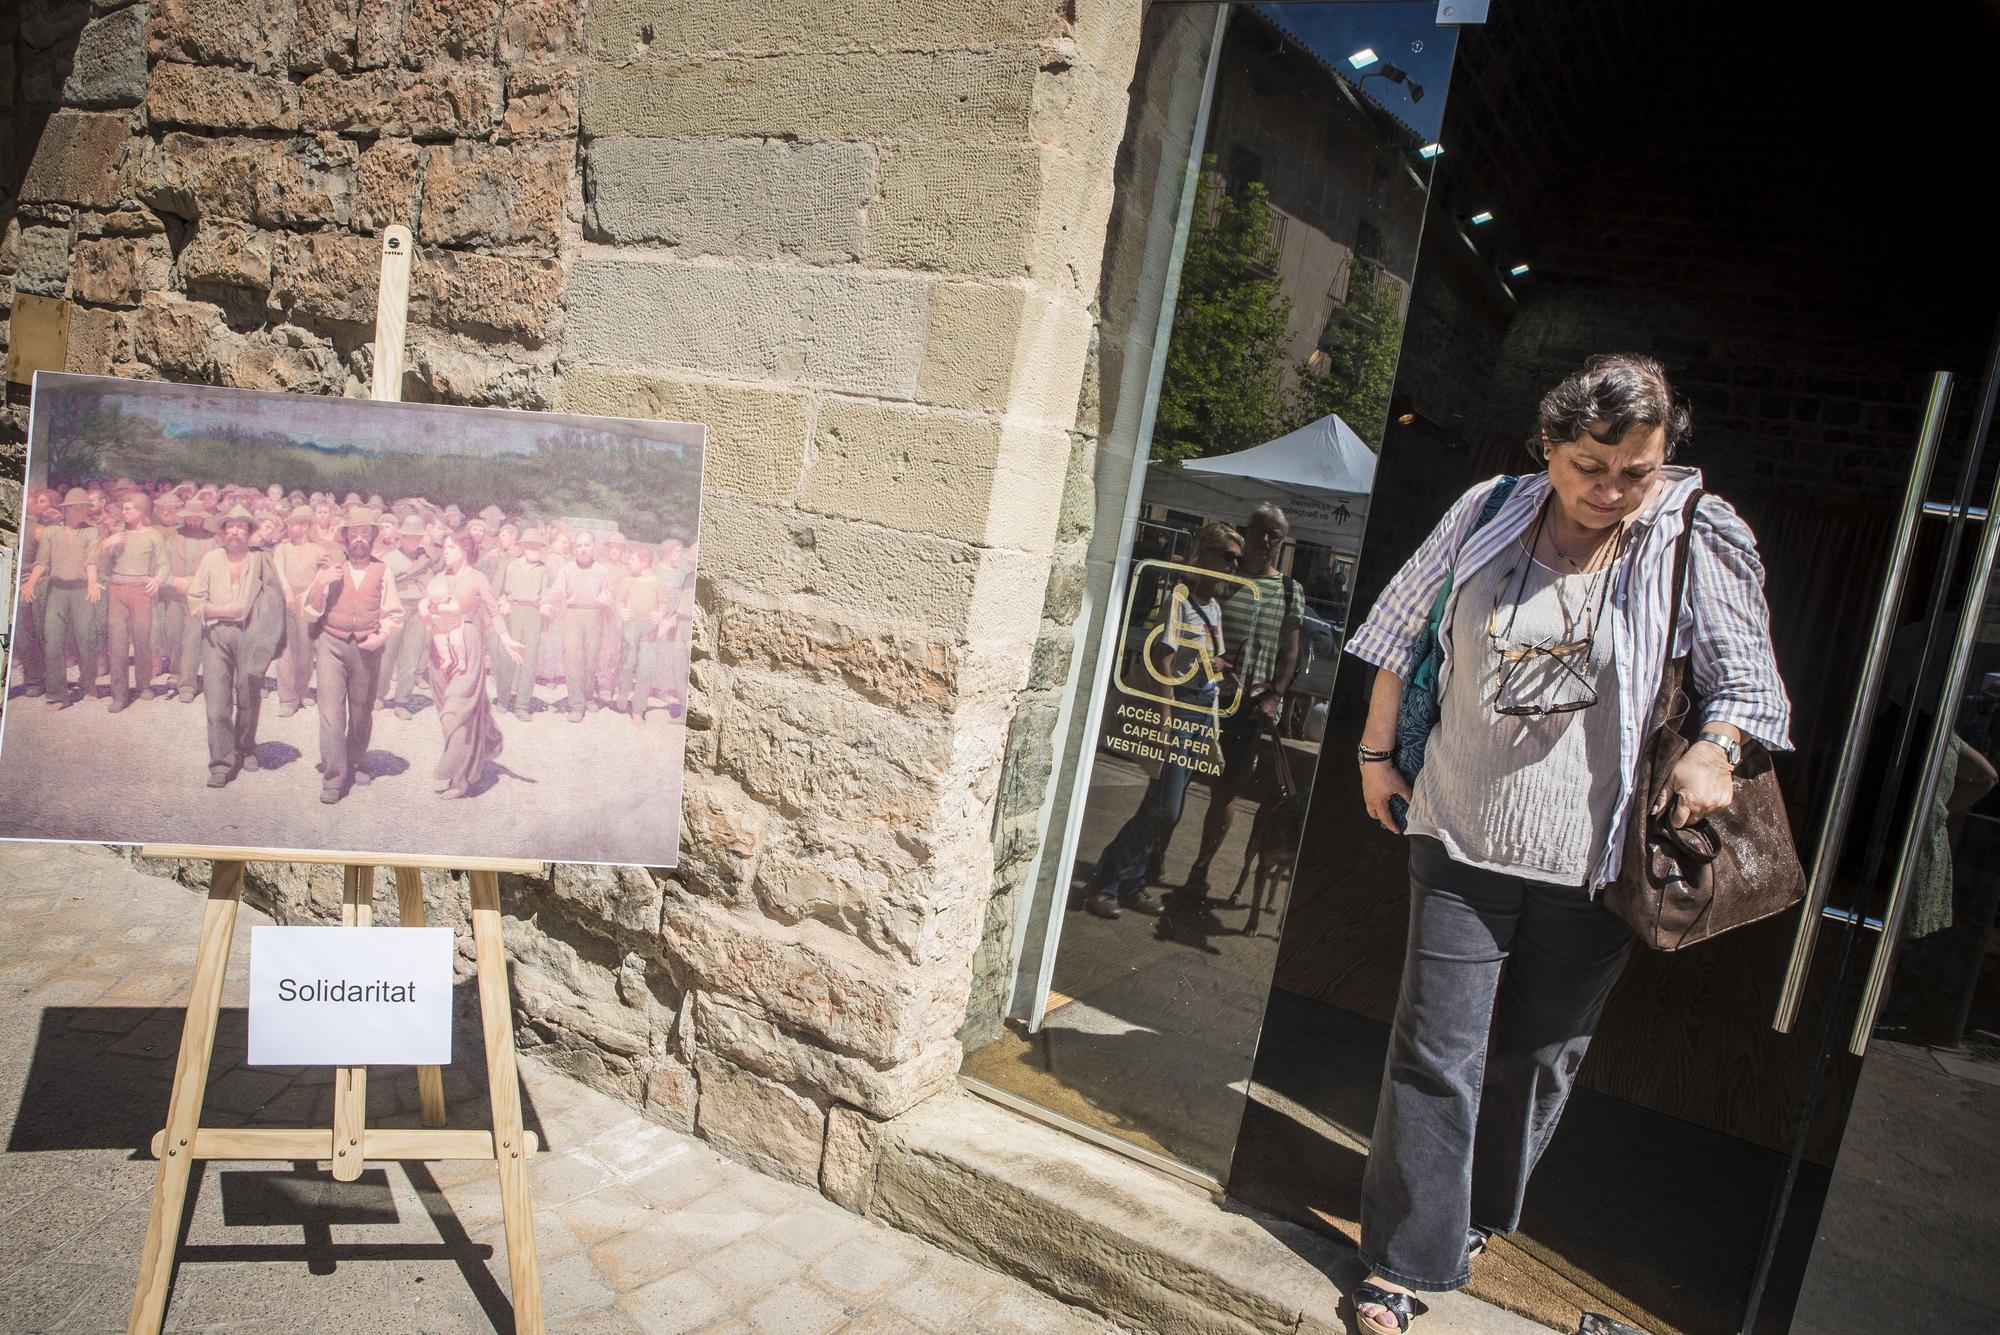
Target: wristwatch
(1728, 745)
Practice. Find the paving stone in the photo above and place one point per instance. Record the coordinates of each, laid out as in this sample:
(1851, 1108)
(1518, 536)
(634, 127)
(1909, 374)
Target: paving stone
(812, 1231)
(943, 1291)
(679, 1302)
(798, 1308)
(574, 1284)
(606, 1213)
(747, 1267)
(860, 1269)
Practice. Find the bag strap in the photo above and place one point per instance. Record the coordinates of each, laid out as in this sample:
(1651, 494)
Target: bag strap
(1494, 500)
(1679, 584)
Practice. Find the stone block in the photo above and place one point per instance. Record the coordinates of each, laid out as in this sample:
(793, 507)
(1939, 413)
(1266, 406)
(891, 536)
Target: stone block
(756, 1044)
(253, 34)
(755, 198)
(452, 374)
(976, 479)
(537, 30)
(224, 255)
(847, 1164)
(45, 23)
(901, 666)
(721, 831)
(172, 336)
(311, 181)
(108, 67)
(760, 1121)
(98, 340)
(811, 747)
(756, 434)
(192, 176)
(836, 566)
(496, 195)
(934, 208)
(858, 332)
(866, 95)
(288, 359)
(487, 296)
(621, 28)
(436, 31)
(816, 981)
(325, 277)
(567, 986)
(627, 898)
(437, 104)
(378, 29)
(117, 271)
(864, 882)
(323, 35)
(1008, 348)
(388, 182)
(671, 1092)
(1081, 109)
(220, 99)
(76, 161)
(541, 104)
(44, 261)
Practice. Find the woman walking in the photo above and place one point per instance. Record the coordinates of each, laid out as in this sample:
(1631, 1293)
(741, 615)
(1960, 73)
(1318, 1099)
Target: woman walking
(1553, 637)
(457, 610)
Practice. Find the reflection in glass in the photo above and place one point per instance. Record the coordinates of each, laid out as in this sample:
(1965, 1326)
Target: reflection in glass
(1201, 701)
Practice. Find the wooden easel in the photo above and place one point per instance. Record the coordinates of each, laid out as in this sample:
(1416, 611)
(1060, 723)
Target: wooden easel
(348, 1143)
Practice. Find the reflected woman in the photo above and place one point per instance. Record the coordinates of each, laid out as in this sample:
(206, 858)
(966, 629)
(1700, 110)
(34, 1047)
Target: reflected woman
(1553, 638)
(458, 610)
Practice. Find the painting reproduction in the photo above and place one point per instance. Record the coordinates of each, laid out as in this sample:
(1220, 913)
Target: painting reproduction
(258, 620)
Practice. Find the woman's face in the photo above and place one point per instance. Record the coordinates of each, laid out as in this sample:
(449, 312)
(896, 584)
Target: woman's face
(454, 554)
(1599, 485)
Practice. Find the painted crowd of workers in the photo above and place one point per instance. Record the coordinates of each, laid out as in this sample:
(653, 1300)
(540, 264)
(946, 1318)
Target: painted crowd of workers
(174, 591)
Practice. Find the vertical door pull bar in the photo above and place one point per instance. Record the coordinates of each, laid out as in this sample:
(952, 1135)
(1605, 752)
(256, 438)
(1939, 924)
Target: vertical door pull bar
(1976, 591)
(1840, 803)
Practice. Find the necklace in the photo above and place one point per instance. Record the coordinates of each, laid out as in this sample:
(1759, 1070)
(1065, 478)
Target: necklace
(1562, 554)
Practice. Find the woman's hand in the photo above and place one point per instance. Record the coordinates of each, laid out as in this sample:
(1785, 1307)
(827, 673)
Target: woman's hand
(1380, 781)
(1701, 783)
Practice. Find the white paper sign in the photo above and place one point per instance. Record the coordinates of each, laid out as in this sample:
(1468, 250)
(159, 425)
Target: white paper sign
(350, 996)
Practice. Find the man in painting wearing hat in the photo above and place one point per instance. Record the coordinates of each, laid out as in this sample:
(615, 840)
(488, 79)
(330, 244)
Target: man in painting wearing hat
(354, 608)
(298, 559)
(411, 566)
(66, 561)
(223, 600)
(579, 595)
(520, 580)
(38, 509)
(136, 568)
(195, 540)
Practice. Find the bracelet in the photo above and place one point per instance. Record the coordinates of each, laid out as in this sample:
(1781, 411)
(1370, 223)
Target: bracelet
(1368, 755)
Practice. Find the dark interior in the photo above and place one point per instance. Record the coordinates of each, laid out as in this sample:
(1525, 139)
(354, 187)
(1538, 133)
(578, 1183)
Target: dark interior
(1780, 204)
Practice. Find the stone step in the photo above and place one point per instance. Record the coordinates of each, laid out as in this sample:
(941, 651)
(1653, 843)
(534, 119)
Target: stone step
(1103, 1231)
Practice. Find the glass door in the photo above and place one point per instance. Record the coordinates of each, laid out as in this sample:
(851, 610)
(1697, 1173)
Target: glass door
(1911, 1217)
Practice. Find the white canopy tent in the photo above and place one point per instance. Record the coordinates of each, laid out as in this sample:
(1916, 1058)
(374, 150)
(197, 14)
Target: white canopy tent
(1320, 475)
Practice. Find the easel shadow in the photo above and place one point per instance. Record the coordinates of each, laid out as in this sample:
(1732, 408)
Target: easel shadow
(100, 1077)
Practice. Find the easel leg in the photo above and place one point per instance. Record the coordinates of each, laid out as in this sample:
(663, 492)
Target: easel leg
(410, 912)
(496, 1013)
(350, 1083)
(156, 1263)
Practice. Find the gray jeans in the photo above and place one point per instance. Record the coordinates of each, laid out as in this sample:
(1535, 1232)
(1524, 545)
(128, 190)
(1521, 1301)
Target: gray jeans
(1502, 985)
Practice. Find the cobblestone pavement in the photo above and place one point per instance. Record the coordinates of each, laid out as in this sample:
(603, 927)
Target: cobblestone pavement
(640, 1229)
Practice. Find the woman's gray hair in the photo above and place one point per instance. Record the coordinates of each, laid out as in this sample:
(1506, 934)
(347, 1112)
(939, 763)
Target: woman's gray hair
(1613, 392)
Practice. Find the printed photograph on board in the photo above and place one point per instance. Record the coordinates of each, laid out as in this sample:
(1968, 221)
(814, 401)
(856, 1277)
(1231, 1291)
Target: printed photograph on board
(265, 620)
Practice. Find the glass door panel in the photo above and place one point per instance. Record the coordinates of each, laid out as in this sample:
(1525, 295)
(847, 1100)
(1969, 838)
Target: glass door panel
(1195, 739)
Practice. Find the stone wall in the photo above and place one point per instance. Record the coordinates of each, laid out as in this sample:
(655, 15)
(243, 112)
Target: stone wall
(861, 242)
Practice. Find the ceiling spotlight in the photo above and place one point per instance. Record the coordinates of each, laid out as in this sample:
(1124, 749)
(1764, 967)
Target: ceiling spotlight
(1518, 270)
(1363, 58)
(1483, 216)
(1431, 150)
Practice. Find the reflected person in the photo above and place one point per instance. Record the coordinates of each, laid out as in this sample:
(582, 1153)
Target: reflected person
(1553, 637)
(1262, 628)
(1183, 645)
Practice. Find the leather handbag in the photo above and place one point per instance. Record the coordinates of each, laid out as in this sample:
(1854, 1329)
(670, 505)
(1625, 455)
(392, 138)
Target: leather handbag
(1677, 887)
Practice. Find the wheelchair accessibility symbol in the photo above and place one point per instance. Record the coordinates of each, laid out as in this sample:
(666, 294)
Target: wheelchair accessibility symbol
(1178, 648)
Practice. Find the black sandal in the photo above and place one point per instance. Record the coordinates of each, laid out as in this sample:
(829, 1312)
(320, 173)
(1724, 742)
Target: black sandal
(1401, 1306)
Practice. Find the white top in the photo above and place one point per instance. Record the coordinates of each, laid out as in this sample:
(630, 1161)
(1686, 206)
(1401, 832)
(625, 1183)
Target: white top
(1529, 795)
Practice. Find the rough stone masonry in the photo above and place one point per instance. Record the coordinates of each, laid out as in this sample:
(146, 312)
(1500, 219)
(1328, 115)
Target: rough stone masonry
(860, 241)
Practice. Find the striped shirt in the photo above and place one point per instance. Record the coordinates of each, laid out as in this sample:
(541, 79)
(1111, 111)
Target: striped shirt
(1724, 625)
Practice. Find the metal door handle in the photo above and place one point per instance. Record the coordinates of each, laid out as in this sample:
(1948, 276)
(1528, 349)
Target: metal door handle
(1840, 803)
(1876, 988)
